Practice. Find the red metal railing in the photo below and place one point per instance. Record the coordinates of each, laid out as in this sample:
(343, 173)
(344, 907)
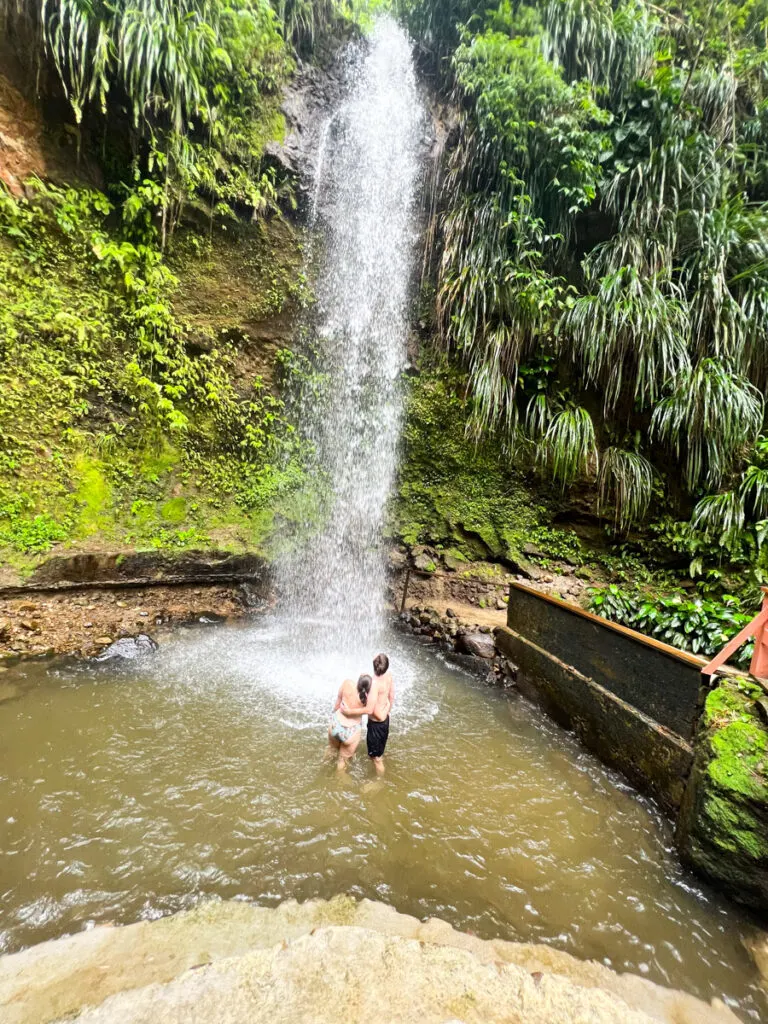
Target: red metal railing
(757, 628)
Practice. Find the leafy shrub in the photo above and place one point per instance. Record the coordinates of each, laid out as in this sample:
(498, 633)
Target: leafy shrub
(37, 533)
(690, 623)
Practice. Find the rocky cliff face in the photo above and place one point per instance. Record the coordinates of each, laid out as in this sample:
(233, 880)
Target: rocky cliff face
(142, 391)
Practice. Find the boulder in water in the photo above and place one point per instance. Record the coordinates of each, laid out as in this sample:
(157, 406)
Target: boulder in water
(128, 648)
(480, 645)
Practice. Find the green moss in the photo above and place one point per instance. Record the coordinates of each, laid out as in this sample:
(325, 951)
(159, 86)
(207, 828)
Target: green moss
(135, 409)
(732, 772)
(93, 495)
(732, 697)
(174, 511)
(738, 739)
(740, 759)
(453, 492)
(154, 465)
(734, 829)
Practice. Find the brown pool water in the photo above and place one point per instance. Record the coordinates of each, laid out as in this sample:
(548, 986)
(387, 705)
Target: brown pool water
(127, 794)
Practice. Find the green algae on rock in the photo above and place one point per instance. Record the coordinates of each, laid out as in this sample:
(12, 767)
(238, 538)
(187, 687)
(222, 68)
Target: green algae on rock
(723, 826)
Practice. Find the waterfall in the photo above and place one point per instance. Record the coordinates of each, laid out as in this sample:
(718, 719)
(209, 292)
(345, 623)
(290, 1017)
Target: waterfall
(365, 210)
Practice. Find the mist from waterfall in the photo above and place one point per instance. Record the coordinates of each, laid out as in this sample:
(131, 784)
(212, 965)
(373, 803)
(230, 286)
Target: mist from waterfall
(365, 213)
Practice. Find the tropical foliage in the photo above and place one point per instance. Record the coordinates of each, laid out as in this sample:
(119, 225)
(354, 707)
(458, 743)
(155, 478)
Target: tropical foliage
(185, 92)
(690, 623)
(115, 417)
(602, 236)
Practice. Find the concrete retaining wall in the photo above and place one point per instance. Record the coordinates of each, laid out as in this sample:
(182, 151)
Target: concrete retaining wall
(641, 707)
(632, 700)
(653, 758)
(660, 681)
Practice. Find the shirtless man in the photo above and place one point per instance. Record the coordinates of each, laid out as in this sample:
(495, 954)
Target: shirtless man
(379, 704)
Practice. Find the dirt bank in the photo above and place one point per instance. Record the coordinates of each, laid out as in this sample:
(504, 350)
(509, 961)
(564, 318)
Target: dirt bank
(84, 622)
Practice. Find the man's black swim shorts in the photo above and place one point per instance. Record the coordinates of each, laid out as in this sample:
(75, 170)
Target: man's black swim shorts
(377, 737)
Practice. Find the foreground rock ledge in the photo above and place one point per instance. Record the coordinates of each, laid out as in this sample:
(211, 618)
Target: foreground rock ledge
(234, 963)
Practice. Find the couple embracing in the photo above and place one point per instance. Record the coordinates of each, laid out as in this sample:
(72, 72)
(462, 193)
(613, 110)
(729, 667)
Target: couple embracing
(372, 697)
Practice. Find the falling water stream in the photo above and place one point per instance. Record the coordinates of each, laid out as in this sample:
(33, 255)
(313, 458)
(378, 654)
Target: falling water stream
(127, 794)
(364, 205)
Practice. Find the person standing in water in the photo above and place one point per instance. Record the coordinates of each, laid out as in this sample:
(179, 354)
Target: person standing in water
(344, 729)
(378, 705)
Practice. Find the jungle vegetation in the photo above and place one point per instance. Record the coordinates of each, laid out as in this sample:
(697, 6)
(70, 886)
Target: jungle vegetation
(120, 421)
(601, 251)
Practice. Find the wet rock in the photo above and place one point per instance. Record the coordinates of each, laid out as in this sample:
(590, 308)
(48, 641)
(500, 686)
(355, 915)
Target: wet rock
(532, 550)
(453, 562)
(103, 641)
(510, 669)
(157, 568)
(129, 648)
(450, 613)
(758, 947)
(397, 559)
(232, 962)
(479, 644)
(424, 563)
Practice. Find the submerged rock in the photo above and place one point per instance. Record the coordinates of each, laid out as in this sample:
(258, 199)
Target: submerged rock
(129, 648)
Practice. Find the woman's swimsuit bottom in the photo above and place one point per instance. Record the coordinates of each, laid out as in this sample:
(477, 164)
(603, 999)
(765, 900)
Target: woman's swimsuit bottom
(339, 731)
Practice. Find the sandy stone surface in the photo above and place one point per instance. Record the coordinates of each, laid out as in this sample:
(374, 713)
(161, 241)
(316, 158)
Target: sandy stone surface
(234, 963)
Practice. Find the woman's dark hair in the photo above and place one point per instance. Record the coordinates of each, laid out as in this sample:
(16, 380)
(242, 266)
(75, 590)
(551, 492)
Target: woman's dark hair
(363, 688)
(380, 664)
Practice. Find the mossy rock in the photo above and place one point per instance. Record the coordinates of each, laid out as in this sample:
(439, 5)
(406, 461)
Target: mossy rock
(723, 825)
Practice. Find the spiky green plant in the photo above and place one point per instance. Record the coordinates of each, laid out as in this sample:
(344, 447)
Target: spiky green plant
(196, 77)
(605, 193)
(625, 480)
(720, 516)
(711, 417)
(305, 20)
(567, 449)
(629, 337)
(754, 490)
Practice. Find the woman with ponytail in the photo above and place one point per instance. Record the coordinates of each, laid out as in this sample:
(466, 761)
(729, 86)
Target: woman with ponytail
(343, 731)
